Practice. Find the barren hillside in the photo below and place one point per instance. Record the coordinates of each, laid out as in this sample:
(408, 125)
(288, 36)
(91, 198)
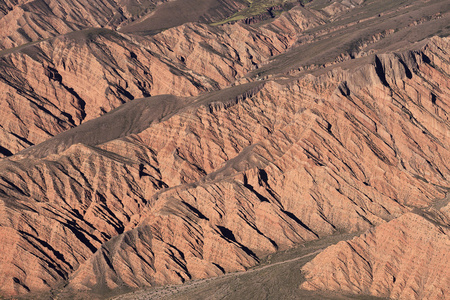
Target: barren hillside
(136, 156)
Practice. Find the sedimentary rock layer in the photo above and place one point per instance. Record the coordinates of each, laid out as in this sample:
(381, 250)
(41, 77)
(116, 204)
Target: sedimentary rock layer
(109, 184)
(49, 87)
(405, 258)
(207, 185)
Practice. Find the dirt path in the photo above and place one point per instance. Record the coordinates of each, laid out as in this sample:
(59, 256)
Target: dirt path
(275, 264)
(169, 290)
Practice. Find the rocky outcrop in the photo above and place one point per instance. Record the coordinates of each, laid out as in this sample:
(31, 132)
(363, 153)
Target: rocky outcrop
(183, 188)
(266, 174)
(105, 187)
(27, 21)
(46, 88)
(338, 7)
(403, 259)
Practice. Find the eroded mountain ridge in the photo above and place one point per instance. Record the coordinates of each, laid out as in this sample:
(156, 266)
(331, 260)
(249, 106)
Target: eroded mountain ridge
(166, 189)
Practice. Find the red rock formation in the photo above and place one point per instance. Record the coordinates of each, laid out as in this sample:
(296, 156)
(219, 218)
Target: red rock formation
(207, 185)
(168, 188)
(26, 21)
(406, 258)
(51, 81)
(268, 178)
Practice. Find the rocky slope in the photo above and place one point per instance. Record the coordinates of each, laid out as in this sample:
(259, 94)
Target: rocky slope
(212, 183)
(211, 178)
(273, 178)
(26, 21)
(405, 258)
(44, 89)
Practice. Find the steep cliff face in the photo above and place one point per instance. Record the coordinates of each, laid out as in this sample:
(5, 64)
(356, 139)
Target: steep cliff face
(183, 188)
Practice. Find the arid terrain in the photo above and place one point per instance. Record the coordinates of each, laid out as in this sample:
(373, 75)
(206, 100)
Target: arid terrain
(225, 149)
